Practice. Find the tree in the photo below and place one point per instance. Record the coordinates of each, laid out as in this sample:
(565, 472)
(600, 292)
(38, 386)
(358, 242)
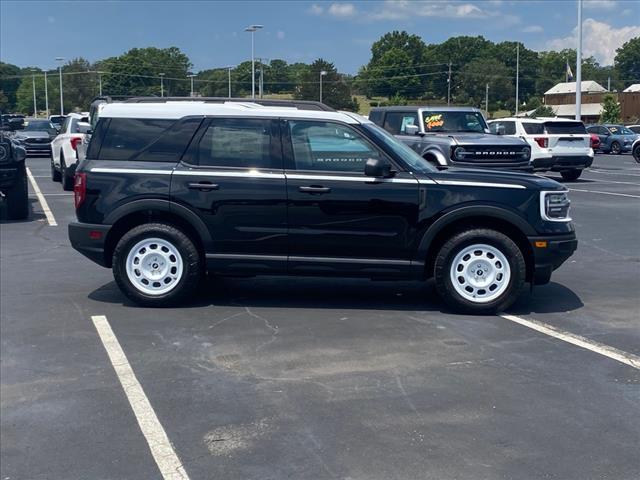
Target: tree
(137, 72)
(627, 61)
(9, 83)
(610, 110)
(477, 73)
(335, 92)
(543, 111)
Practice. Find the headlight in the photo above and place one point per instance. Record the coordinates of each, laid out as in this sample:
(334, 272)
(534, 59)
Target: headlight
(526, 152)
(554, 206)
(459, 152)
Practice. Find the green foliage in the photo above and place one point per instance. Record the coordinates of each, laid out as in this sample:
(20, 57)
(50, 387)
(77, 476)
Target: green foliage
(543, 111)
(627, 61)
(610, 110)
(9, 83)
(335, 92)
(479, 72)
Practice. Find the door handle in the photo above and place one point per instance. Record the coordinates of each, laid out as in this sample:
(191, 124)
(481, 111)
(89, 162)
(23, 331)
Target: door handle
(314, 189)
(204, 186)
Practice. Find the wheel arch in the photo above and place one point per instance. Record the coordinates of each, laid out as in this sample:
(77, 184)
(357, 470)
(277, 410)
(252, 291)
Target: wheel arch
(138, 212)
(466, 218)
(436, 154)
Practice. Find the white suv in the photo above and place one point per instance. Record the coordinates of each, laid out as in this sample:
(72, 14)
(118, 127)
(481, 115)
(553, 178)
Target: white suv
(63, 148)
(557, 144)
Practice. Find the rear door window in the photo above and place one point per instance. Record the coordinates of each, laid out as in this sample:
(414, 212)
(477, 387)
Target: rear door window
(533, 128)
(237, 142)
(509, 128)
(565, 128)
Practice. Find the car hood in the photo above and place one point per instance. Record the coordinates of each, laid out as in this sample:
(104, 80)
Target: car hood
(32, 134)
(472, 138)
(497, 177)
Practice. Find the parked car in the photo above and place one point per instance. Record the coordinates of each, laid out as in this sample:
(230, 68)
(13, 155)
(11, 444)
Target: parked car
(13, 177)
(57, 120)
(64, 146)
(452, 136)
(12, 122)
(615, 139)
(595, 142)
(36, 136)
(168, 191)
(634, 128)
(557, 144)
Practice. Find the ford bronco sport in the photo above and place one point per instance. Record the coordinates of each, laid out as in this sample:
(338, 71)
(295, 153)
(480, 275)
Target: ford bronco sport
(171, 190)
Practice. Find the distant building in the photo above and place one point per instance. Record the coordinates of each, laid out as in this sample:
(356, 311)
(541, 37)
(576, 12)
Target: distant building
(562, 100)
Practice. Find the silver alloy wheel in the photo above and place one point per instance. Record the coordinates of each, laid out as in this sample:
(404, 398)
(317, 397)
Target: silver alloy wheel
(154, 266)
(480, 273)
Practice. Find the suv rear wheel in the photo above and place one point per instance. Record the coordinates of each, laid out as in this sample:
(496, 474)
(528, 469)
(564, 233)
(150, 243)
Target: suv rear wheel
(571, 175)
(67, 174)
(55, 174)
(18, 196)
(157, 265)
(479, 271)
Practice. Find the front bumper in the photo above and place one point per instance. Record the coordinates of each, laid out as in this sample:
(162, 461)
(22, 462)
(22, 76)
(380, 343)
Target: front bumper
(568, 162)
(90, 239)
(556, 250)
(37, 148)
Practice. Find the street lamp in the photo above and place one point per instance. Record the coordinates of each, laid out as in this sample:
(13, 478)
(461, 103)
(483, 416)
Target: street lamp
(253, 29)
(191, 77)
(61, 59)
(322, 74)
(35, 106)
(229, 68)
(46, 94)
(161, 84)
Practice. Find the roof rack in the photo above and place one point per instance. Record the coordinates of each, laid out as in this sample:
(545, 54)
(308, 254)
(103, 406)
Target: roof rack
(267, 102)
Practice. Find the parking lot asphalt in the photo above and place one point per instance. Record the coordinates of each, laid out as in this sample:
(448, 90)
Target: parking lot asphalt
(273, 378)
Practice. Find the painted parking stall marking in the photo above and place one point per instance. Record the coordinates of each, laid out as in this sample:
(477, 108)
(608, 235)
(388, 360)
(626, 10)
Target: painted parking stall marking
(43, 202)
(611, 352)
(605, 193)
(161, 448)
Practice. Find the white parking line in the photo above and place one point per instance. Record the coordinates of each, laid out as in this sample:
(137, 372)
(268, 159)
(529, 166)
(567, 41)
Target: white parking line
(624, 173)
(54, 194)
(611, 352)
(161, 448)
(605, 193)
(45, 206)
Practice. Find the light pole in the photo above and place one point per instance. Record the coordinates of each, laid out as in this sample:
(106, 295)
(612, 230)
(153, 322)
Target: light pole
(191, 77)
(46, 94)
(517, 75)
(579, 65)
(253, 29)
(100, 83)
(229, 68)
(61, 59)
(486, 99)
(161, 84)
(35, 106)
(322, 74)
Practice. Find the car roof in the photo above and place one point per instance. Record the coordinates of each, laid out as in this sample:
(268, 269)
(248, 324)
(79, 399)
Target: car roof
(177, 110)
(517, 119)
(412, 108)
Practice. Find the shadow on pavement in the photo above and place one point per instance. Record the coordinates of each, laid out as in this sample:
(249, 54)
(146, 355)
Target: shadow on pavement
(550, 298)
(33, 216)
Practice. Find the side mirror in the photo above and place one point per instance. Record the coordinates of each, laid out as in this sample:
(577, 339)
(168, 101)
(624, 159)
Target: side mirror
(377, 168)
(412, 130)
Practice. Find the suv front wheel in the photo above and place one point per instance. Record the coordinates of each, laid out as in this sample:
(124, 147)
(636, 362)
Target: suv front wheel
(479, 271)
(157, 265)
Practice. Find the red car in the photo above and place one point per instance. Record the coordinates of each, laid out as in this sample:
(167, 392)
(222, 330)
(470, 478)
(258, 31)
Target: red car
(595, 142)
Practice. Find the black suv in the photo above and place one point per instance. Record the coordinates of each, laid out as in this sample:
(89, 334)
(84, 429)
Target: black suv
(171, 190)
(453, 136)
(13, 178)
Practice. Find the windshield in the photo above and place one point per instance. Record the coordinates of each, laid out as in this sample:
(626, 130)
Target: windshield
(57, 119)
(453, 121)
(39, 126)
(411, 158)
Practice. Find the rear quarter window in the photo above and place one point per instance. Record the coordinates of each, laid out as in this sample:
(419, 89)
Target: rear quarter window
(126, 138)
(533, 128)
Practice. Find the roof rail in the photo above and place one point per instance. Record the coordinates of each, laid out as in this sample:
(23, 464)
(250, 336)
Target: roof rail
(267, 102)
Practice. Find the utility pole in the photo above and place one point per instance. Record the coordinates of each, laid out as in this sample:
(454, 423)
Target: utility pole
(161, 84)
(486, 99)
(322, 74)
(229, 74)
(609, 84)
(579, 65)
(449, 86)
(517, 76)
(100, 83)
(35, 106)
(191, 77)
(253, 29)
(61, 59)
(261, 81)
(46, 94)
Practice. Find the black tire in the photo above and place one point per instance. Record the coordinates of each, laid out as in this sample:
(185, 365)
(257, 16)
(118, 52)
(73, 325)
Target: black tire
(571, 175)
(18, 197)
(192, 264)
(455, 245)
(55, 174)
(67, 175)
(615, 148)
(636, 152)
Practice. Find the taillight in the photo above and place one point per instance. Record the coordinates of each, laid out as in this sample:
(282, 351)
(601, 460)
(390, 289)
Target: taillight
(543, 142)
(74, 142)
(79, 188)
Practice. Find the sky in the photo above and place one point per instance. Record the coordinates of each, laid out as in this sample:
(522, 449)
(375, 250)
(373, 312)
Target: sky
(211, 33)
